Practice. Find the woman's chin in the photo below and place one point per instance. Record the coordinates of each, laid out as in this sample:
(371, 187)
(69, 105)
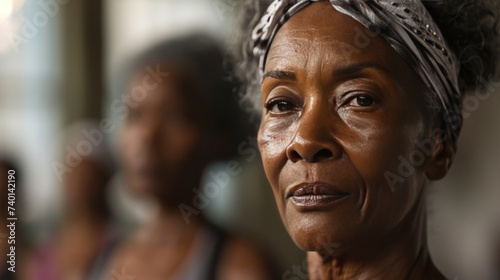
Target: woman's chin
(333, 233)
(327, 226)
(321, 232)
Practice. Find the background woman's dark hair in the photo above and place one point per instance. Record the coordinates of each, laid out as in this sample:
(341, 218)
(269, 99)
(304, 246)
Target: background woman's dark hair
(471, 28)
(210, 69)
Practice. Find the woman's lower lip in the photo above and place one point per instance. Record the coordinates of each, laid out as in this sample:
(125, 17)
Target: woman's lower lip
(316, 202)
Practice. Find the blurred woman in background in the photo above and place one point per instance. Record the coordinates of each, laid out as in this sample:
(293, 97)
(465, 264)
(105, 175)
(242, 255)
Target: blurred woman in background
(86, 230)
(181, 116)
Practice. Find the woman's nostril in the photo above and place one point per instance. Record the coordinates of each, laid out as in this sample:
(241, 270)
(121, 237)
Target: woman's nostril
(310, 155)
(323, 154)
(295, 156)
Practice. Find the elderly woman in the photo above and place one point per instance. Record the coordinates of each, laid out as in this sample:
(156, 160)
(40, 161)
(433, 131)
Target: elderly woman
(361, 109)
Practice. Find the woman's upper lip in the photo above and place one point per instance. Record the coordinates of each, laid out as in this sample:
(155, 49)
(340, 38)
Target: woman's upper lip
(313, 188)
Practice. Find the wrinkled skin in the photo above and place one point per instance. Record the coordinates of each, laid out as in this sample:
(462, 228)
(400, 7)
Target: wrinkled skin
(342, 116)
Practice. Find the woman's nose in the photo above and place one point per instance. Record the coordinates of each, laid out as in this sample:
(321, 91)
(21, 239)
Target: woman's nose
(314, 139)
(151, 133)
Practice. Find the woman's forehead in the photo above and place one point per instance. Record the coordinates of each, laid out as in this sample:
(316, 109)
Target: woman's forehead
(320, 35)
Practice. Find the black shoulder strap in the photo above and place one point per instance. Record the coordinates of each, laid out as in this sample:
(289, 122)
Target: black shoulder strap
(214, 259)
(97, 270)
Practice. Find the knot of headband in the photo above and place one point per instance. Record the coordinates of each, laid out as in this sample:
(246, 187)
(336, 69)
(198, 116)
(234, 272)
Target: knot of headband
(406, 25)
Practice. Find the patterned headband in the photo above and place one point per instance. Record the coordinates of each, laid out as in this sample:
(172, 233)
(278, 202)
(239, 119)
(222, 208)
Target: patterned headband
(405, 24)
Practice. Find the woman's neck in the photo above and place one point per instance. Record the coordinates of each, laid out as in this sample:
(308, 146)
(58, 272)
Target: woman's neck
(169, 220)
(401, 254)
(167, 228)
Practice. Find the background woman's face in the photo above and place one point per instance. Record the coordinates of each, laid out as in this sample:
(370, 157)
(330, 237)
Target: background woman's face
(160, 143)
(341, 110)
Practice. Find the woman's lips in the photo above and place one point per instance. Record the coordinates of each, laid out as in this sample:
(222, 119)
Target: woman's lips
(313, 196)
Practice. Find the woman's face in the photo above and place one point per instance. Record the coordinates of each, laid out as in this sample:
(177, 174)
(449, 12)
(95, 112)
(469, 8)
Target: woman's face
(341, 110)
(160, 143)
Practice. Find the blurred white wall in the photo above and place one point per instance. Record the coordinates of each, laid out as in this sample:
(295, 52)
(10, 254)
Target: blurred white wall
(29, 91)
(464, 220)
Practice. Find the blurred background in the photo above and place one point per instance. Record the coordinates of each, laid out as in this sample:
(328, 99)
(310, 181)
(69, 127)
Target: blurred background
(58, 65)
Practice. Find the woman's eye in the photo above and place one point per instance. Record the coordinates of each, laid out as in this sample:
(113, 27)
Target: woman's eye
(361, 101)
(133, 115)
(279, 106)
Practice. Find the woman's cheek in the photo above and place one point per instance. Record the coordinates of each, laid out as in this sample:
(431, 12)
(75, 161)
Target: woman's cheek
(273, 138)
(379, 163)
(128, 146)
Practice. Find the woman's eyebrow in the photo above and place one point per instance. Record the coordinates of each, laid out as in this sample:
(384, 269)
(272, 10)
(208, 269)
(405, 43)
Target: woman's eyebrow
(280, 75)
(356, 68)
(340, 72)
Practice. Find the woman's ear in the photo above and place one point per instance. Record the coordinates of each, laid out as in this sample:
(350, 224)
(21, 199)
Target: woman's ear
(441, 157)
